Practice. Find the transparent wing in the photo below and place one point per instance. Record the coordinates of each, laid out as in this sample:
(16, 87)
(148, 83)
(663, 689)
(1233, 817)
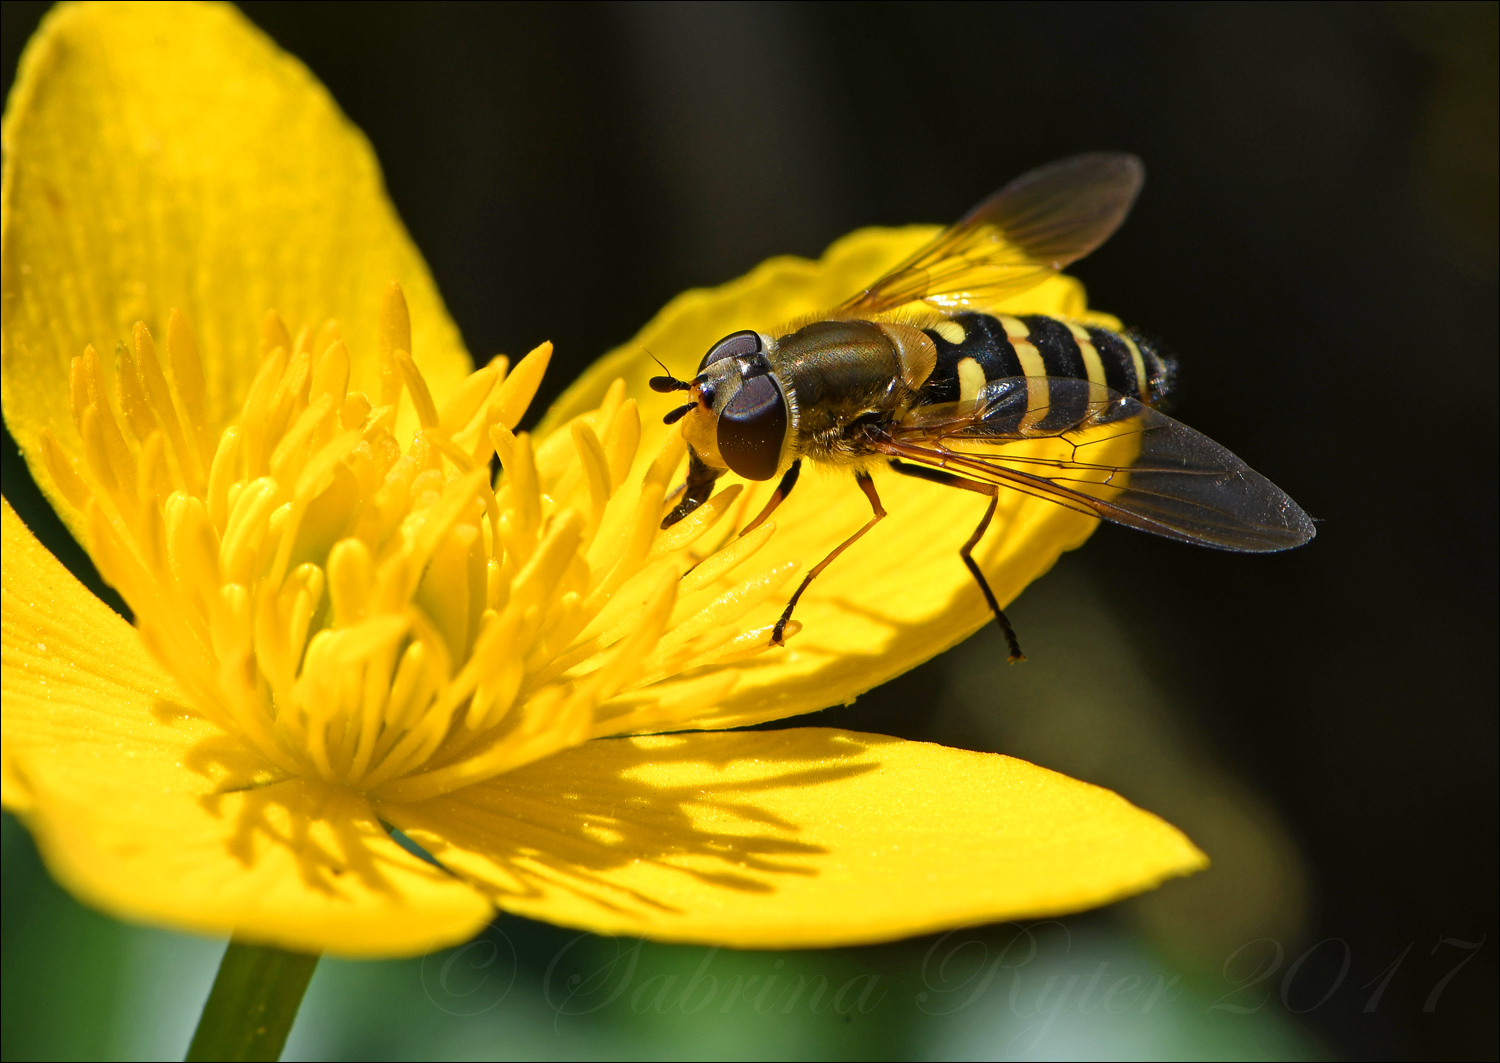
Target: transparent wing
(1102, 453)
(1020, 236)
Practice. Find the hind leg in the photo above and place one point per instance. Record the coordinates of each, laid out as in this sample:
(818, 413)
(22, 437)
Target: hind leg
(948, 479)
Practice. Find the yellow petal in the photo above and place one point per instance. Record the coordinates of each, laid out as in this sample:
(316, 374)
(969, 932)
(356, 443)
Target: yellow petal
(296, 864)
(68, 663)
(784, 839)
(170, 155)
(152, 814)
(901, 594)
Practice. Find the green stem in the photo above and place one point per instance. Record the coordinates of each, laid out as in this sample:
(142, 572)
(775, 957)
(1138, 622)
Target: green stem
(253, 1003)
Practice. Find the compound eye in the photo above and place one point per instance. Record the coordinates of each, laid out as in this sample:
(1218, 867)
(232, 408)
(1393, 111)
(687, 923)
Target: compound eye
(734, 345)
(752, 428)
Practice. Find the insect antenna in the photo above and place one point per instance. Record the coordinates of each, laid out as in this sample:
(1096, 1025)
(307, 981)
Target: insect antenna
(679, 413)
(666, 384)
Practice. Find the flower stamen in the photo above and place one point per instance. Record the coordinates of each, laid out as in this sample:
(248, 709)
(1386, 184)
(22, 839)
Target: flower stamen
(387, 619)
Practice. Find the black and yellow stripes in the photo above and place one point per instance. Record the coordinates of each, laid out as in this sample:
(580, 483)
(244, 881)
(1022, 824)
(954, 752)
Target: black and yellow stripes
(1036, 346)
(1057, 346)
(969, 336)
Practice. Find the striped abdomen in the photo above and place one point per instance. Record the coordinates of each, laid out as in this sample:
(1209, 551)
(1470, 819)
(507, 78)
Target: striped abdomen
(975, 348)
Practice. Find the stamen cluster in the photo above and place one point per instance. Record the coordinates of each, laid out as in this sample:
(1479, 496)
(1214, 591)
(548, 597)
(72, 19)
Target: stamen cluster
(389, 619)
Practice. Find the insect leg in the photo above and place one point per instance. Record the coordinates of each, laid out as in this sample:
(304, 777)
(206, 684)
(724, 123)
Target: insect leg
(778, 496)
(700, 484)
(947, 479)
(866, 485)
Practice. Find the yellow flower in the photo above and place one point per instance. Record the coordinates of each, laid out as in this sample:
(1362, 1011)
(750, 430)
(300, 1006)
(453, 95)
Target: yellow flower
(342, 628)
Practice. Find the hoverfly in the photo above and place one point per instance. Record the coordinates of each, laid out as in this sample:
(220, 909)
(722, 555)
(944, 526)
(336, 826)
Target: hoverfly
(919, 371)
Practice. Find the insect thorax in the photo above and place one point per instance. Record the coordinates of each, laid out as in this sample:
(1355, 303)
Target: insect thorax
(839, 375)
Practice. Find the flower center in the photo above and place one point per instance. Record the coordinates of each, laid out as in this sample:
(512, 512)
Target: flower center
(389, 619)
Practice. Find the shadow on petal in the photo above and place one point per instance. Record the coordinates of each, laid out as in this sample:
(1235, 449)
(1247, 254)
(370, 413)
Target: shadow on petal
(328, 833)
(294, 863)
(790, 838)
(562, 825)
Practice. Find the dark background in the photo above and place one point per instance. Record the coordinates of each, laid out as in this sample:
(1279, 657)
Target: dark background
(1317, 240)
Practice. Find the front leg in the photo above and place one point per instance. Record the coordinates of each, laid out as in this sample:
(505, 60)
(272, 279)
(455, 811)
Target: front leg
(701, 478)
